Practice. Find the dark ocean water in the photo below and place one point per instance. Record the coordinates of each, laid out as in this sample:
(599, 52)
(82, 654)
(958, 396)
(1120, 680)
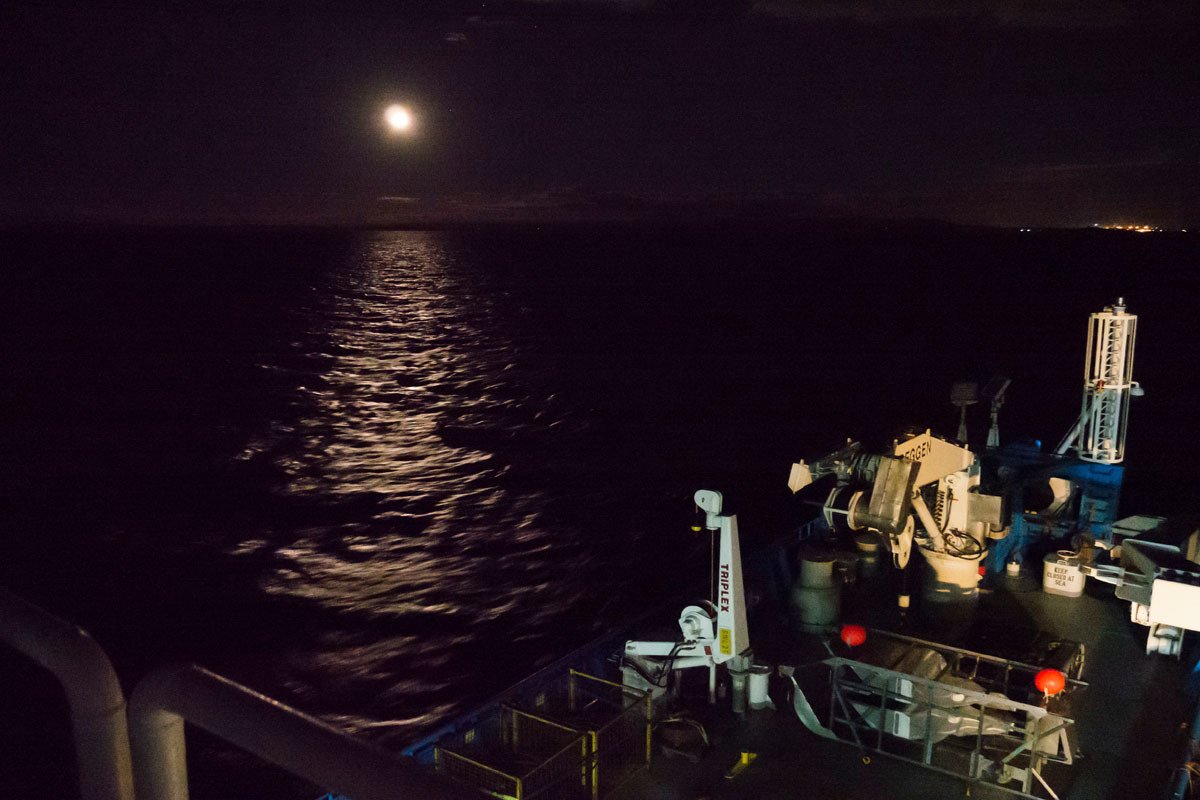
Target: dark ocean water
(381, 475)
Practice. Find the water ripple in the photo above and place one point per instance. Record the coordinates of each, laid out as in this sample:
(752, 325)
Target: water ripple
(409, 404)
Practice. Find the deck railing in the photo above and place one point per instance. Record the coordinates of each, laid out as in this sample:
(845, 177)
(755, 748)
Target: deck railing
(303, 745)
(156, 766)
(94, 696)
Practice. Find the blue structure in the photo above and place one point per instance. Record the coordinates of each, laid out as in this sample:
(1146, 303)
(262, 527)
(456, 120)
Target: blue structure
(1020, 469)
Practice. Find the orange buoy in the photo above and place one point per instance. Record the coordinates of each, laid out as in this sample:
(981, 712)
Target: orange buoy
(1050, 681)
(854, 635)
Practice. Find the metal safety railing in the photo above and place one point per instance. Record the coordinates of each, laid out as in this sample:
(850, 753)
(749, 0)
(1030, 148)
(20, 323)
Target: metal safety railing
(141, 748)
(569, 735)
(615, 717)
(303, 745)
(94, 696)
(517, 754)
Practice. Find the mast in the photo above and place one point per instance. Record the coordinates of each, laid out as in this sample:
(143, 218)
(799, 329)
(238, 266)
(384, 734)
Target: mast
(1108, 384)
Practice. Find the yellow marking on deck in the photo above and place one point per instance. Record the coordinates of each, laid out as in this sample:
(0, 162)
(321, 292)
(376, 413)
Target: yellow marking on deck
(742, 764)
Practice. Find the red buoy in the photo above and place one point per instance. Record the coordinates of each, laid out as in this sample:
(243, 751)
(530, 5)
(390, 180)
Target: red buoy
(854, 635)
(1050, 681)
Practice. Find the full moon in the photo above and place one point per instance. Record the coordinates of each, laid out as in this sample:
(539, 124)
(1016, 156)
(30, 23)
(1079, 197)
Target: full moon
(398, 118)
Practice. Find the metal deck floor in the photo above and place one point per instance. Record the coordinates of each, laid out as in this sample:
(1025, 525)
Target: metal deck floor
(1128, 723)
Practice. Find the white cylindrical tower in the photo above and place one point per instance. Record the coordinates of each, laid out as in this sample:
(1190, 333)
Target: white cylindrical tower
(1107, 385)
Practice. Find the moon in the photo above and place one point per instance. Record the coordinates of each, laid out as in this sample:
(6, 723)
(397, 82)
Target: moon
(398, 118)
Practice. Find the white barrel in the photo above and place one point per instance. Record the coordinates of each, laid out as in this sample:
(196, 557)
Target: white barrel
(816, 571)
(760, 676)
(737, 681)
(1061, 574)
(817, 597)
(869, 546)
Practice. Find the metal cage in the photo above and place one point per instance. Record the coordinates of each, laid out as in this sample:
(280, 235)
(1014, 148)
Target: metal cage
(955, 711)
(518, 754)
(615, 719)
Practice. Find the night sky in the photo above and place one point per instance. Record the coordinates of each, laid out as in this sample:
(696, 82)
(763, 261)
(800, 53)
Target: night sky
(1010, 112)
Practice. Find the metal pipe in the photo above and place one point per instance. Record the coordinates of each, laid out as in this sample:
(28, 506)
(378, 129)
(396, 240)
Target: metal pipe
(277, 733)
(93, 693)
(1072, 436)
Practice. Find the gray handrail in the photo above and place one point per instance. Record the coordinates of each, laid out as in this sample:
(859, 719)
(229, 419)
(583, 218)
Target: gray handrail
(277, 733)
(93, 693)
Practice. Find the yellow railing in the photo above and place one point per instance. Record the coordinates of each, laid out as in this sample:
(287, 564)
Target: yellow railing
(518, 755)
(578, 736)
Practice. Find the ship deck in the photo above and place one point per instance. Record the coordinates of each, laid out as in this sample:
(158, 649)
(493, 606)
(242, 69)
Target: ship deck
(1128, 720)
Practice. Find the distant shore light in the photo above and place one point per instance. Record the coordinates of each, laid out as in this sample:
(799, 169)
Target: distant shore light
(398, 118)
